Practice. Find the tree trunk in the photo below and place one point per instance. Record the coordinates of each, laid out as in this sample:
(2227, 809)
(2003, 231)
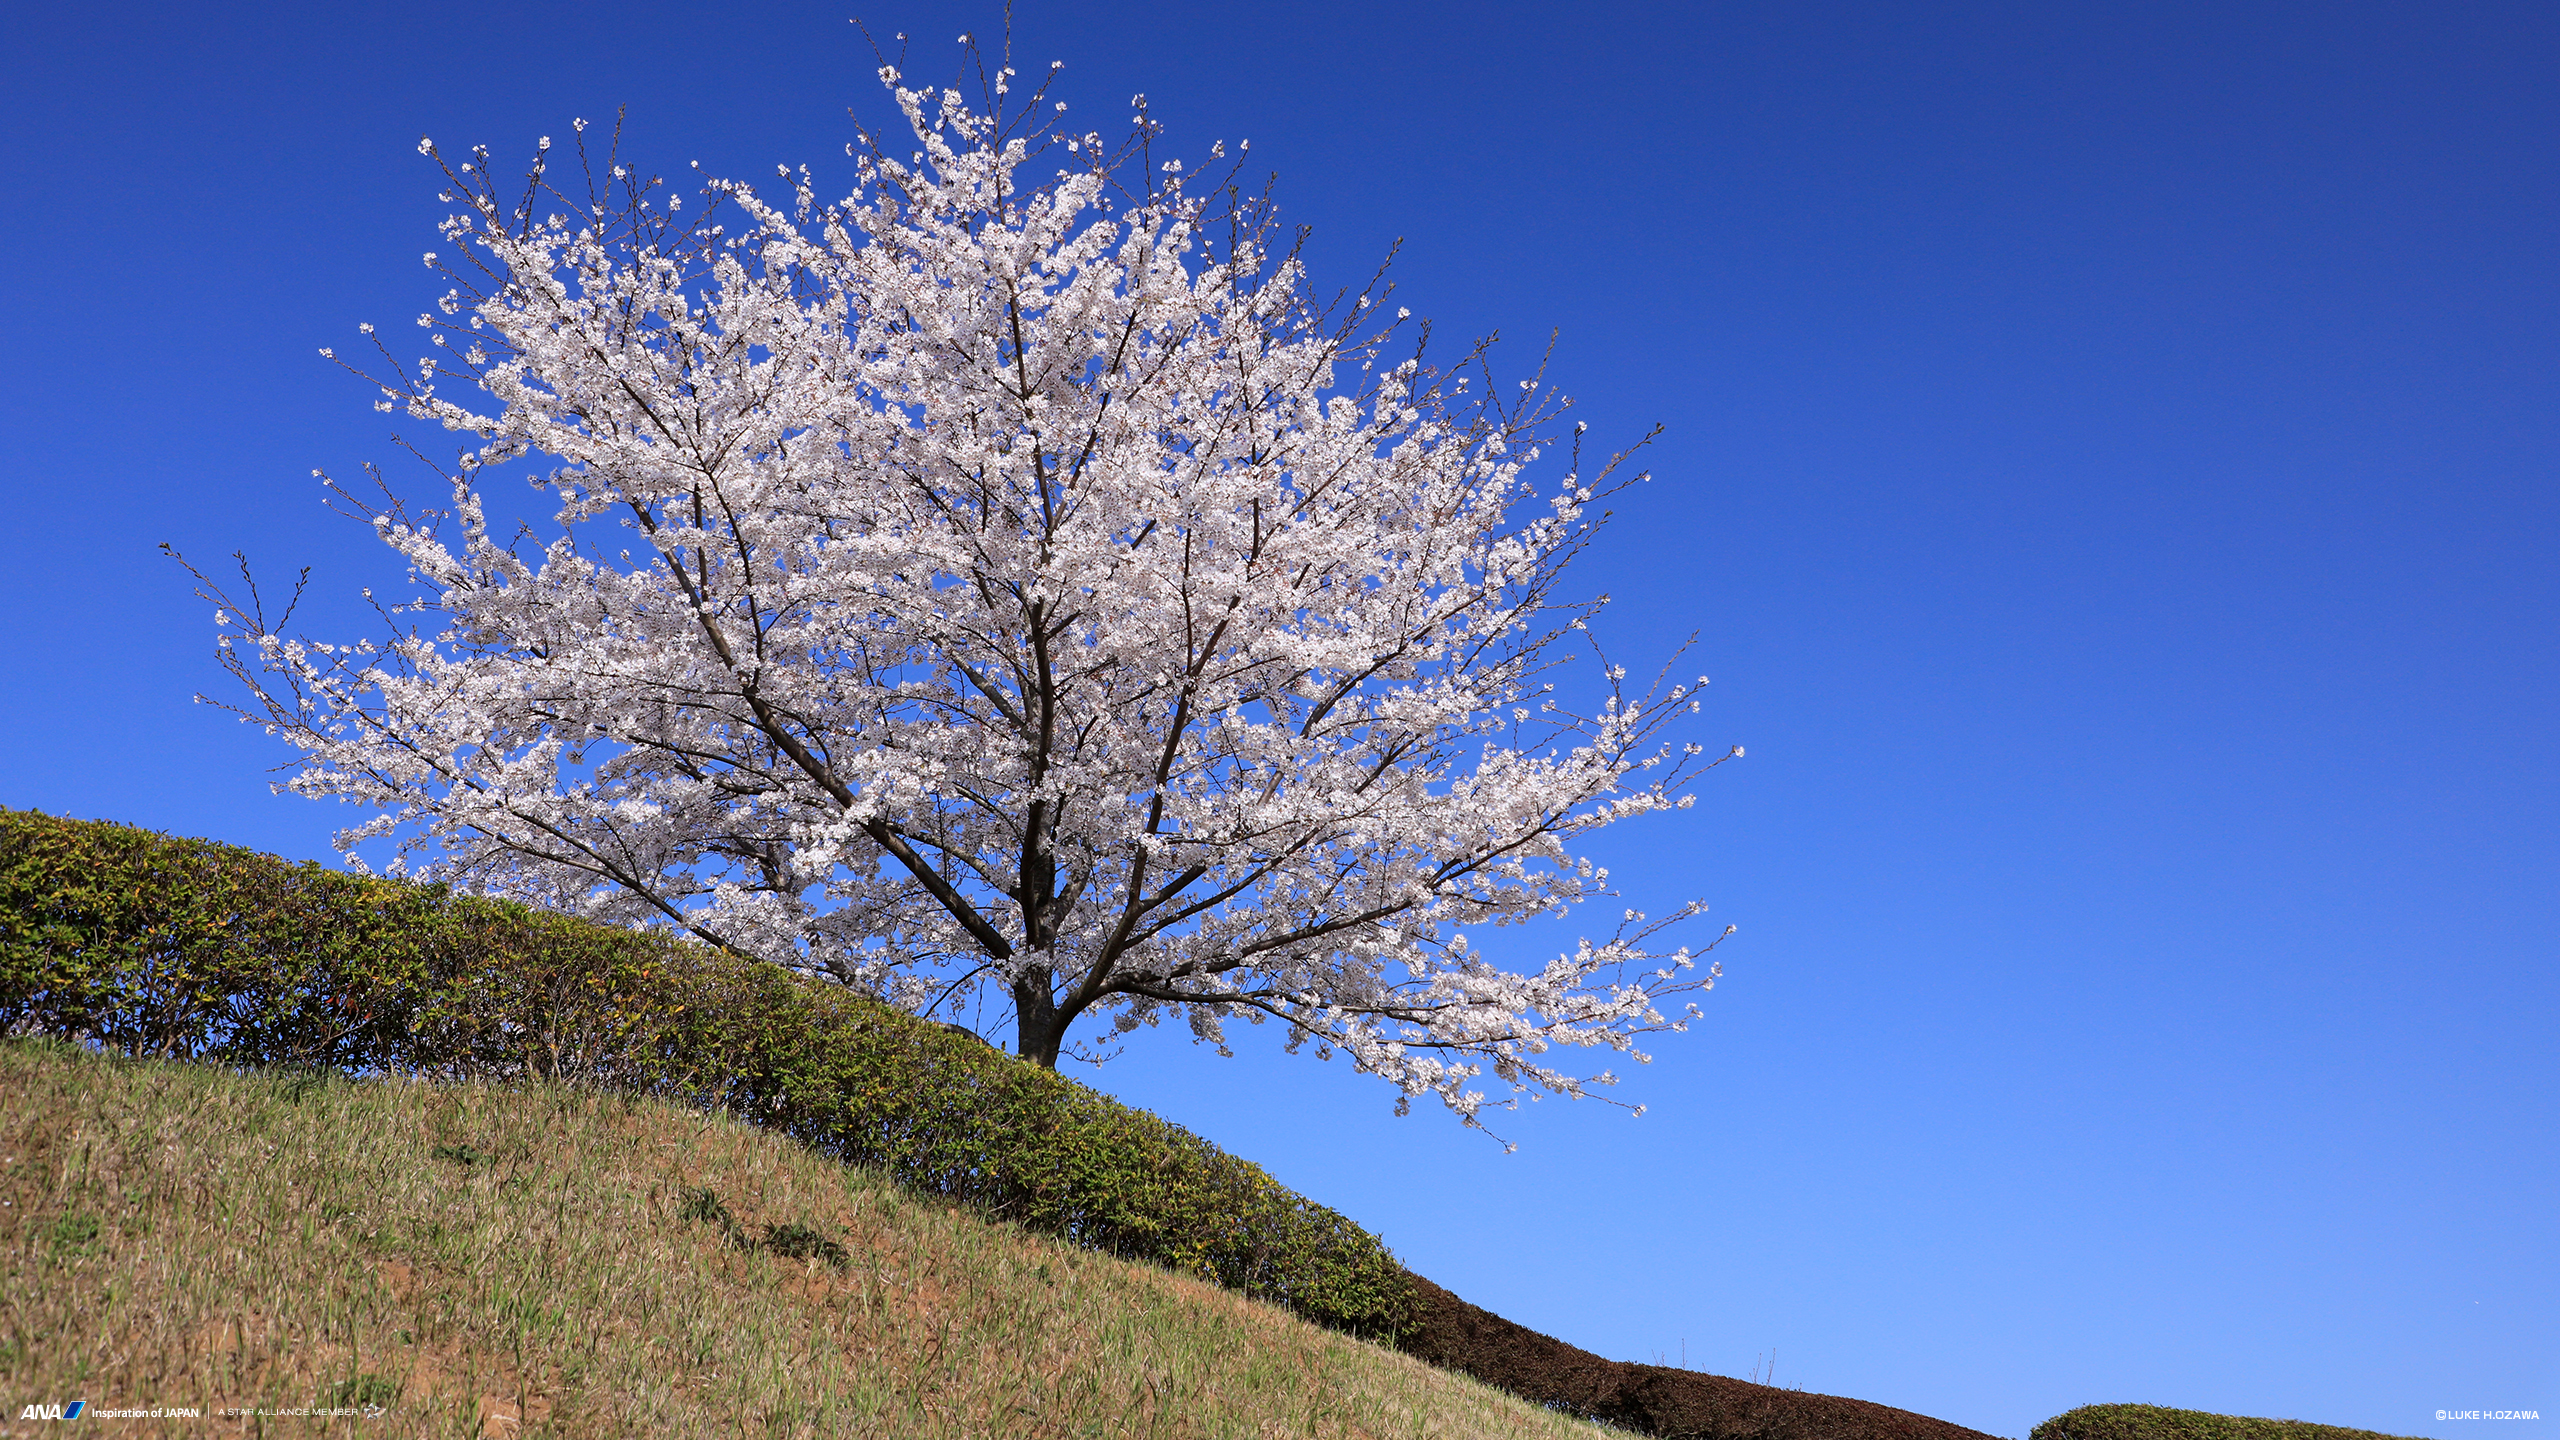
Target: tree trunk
(1038, 1027)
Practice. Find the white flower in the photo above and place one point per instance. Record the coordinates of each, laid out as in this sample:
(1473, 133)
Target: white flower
(982, 529)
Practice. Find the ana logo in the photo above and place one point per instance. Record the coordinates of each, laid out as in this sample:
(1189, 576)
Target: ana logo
(52, 1412)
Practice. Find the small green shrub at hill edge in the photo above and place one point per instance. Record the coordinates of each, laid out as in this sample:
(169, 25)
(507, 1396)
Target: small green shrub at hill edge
(185, 949)
(2152, 1422)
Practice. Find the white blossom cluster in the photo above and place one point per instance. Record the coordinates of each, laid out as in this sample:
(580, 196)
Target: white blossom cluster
(978, 583)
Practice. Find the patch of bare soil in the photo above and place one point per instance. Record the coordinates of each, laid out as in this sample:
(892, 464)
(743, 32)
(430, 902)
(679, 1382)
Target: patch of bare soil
(1653, 1399)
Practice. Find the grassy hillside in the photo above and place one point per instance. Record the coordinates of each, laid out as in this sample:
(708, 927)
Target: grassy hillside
(471, 1260)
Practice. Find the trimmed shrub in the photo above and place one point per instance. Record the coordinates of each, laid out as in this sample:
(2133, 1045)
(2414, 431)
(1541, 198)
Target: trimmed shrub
(2152, 1422)
(188, 949)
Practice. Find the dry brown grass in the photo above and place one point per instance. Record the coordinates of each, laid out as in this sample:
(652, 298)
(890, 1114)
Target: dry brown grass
(469, 1261)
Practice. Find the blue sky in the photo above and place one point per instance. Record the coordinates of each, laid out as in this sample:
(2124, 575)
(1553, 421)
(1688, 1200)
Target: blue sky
(2109, 465)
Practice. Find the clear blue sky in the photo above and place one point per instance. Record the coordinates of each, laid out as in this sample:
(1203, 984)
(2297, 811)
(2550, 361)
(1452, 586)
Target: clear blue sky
(2110, 466)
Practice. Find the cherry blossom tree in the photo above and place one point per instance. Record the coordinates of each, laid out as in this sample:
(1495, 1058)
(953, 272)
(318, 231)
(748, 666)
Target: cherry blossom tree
(989, 586)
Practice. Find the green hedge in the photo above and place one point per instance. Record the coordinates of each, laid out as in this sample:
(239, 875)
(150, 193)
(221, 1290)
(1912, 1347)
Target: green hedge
(188, 949)
(2151, 1422)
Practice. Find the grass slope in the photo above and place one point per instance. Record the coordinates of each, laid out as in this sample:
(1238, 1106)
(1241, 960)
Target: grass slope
(476, 1261)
